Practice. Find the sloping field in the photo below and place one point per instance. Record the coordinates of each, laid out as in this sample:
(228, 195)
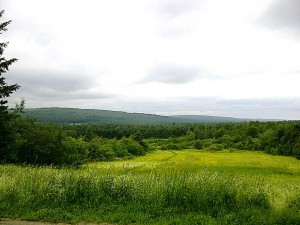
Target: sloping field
(222, 161)
(280, 175)
(163, 187)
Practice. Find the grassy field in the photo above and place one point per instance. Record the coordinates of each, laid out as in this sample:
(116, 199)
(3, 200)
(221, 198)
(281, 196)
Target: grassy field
(163, 187)
(279, 175)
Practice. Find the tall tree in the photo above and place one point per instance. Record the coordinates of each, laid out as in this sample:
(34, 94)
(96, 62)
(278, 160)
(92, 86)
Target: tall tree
(5, 91)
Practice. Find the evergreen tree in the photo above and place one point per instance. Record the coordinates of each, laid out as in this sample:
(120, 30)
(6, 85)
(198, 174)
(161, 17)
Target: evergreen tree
(5, 91)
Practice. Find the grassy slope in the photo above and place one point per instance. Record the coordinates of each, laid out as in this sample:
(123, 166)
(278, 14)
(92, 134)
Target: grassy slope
(148, 190)
(278, 173)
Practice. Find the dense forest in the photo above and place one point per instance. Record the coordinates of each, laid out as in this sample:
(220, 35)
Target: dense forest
(280, 138)
(45, 143)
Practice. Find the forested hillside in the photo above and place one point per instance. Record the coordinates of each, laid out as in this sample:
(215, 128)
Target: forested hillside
(82, 116)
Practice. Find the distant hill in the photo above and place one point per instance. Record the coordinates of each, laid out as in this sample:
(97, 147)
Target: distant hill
(209, 119)
(85, 116)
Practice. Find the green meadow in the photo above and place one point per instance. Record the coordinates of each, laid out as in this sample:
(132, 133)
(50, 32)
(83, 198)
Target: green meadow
(279, 175)
(162, 187)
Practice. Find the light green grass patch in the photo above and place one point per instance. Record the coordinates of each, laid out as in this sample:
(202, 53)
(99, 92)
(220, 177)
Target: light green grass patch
(162, 187)
(280, 174)
(242, 161)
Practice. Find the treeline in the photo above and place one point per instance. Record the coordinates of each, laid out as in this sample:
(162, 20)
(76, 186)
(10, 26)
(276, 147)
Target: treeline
(281, 138)
(45, 144)
(119, 131)
(278, 138)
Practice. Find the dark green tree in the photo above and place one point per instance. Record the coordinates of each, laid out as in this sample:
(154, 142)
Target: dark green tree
(5, 91)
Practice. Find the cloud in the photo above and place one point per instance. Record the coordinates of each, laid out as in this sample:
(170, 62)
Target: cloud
(55, 80)
(44, 39)
(175, 31)
(175, 8)
(283, 15)
(268, 103)
(161, 52)
(73, 83)
(177, 17)
(268, 108)
(173, 74)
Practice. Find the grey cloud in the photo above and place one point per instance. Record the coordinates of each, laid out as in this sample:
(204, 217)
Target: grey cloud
(178, 31)
(53, 84)
(268, 102)
(283, 14)
(44, 39)
(58, 81)
(269, 108)
(173, 74)
(278, 108)
(171, 10)
(65, 96)
(172, 105)
(175, 8)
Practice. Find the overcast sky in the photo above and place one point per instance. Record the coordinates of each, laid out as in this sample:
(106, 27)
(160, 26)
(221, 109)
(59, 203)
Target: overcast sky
(237, 58)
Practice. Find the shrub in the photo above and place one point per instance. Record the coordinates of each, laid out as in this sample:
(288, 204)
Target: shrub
(40, 144)
(45, 144)
(100, 150)
(133, 147)
(198, 145)
(215, 147)
(75, 151)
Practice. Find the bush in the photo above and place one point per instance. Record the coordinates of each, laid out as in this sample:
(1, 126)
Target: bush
(39, 144)
(133, 147)
(215, 147)
(198, 145)
(119, 148)
(75, 151)
(45, 144)
(100, 150)
(296, 149)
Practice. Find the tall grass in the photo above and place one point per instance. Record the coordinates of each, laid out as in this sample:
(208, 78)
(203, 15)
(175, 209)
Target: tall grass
(185, 187)
(178, 196)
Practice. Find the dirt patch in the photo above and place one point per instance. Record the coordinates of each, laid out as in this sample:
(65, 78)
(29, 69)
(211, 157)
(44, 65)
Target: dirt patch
(23, 222)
